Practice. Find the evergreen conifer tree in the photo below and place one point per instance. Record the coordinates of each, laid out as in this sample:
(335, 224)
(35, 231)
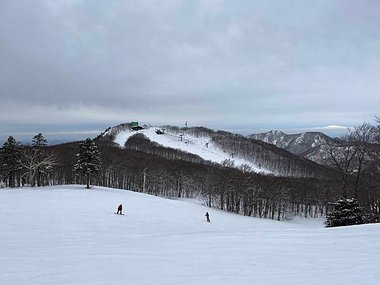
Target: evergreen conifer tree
(346, 212)
(88, 160)
(9, 160)
(39, 141)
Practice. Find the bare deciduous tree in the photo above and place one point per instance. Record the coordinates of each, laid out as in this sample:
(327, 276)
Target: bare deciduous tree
(362, 138)
(36, 165)
(342, 155)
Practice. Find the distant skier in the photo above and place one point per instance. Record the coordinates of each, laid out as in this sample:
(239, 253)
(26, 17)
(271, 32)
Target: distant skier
(208, 217)
(120, 210)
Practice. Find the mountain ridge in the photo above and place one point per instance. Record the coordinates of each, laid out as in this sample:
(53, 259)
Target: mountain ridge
(222, 147)
(310, 145)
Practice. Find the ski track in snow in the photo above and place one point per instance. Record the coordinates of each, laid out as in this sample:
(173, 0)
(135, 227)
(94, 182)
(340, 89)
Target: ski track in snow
(189, 144)
(70, 235)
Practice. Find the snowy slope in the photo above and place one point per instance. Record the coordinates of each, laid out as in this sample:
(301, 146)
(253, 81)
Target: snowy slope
(69, 235)
(188, 144)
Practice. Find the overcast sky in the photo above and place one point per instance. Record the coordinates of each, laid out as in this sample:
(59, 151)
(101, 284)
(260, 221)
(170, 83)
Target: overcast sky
(83, 65)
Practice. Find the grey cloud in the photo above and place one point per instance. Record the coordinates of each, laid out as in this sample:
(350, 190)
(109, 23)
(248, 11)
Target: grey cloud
(259, 63)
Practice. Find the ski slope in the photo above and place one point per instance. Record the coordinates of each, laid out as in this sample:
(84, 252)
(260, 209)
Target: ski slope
(190, 144)
(69, 235)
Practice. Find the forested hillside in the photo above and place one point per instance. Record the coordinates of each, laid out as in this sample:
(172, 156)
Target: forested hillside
(263, 155)
(146, 166)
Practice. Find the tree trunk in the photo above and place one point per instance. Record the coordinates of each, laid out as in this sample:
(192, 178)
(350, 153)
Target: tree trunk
(344, 186)
(11, 179)
(357, 181)
(88, 180)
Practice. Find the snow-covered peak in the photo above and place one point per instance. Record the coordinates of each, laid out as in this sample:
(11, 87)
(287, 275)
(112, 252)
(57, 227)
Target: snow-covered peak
(202, 146)
(276, 133)
(299, 144)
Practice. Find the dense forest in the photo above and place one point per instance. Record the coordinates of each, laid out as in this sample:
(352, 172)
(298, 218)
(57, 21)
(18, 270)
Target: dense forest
(147, 167)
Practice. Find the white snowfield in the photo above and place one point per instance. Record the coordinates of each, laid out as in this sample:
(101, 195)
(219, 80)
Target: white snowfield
(70, 235)
(202, 146)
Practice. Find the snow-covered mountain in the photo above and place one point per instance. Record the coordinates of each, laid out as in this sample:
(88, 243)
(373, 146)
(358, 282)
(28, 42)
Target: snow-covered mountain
(212, 146)
(66, 235)
(202, 146)
(308, 144)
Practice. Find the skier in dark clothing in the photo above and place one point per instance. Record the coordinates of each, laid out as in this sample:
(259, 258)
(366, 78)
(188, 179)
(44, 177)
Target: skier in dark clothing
(120, 209)
(207, 217)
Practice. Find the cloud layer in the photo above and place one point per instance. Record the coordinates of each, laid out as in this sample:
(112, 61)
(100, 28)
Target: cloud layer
(249, 64)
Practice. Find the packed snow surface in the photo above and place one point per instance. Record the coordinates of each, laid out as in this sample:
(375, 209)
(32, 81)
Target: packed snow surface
(70, 235)
(201, 146)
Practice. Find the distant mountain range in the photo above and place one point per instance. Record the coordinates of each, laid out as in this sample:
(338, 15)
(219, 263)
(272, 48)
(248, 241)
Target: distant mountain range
(311, 145)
